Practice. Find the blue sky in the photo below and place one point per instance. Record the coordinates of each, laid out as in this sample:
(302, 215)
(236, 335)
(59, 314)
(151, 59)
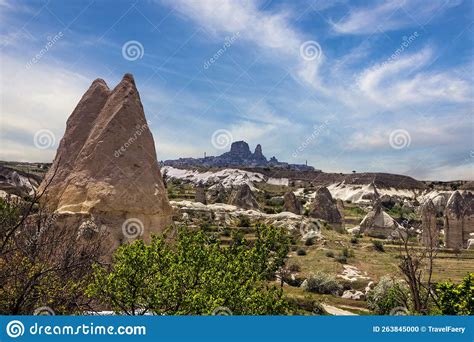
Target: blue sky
(381, 86)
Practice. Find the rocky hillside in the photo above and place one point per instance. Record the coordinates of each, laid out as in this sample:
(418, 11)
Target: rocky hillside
(238, 156)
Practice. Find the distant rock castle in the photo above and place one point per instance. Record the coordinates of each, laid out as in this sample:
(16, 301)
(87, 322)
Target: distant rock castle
(238, 156)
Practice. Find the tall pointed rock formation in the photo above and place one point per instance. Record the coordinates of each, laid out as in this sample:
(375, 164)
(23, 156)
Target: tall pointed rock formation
(429, 233)
(324, 207)
(106, 166)
(459, 220)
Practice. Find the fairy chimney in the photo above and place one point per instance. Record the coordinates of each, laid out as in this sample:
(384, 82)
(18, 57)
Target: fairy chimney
(106, 168)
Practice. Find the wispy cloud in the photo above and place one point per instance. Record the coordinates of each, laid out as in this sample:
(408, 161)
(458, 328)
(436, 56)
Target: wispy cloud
(272, 32)
(400, 82)
(391, 15)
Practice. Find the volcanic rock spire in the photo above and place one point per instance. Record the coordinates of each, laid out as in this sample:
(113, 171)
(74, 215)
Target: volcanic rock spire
(106, 165)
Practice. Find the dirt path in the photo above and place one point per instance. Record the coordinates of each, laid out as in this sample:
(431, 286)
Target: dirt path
(332, 310)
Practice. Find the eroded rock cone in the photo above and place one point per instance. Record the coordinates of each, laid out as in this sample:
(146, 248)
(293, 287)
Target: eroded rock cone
(106, 166)
(459, 220)
(292, 204)
(377, 223)
(217, 194)
(243, 198)
(430, 233)
(324, 207)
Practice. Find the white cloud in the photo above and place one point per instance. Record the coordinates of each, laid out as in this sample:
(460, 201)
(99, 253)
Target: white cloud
(41, 97)
(271, 32)
(423, 132)
(391, 15)
(397, 83)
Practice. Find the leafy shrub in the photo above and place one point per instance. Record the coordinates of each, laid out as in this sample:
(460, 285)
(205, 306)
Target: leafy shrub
(457, 299)
(386, 295)
(347, 253)
(341, 259)
(306, 305)
(301, 252)
(378, 245)
(323, 283)
(206, 226)
(309, 242)
(354, 240)
(330, 254)
(159, 276)
(244, 221)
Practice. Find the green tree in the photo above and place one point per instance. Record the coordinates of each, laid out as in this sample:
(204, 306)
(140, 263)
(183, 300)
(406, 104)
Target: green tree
(192, 274)
(457, 299)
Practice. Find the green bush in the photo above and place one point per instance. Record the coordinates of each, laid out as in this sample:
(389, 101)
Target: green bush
(354, 240)
(341, 259)
(306, 305)
(347, 253)
(378, 245)
(191, 276)
(457, 299)
(301, 252)
(322, 283)
(226, 232)
(244, 221)
(309, 242)
(387, 295)
(330, 254)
